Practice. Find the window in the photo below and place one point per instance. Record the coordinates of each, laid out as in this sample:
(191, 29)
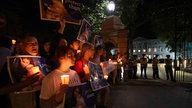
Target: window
(155, 49)
(144, 50)
(133, 50)
(149, 50)
(149, 56)
(139, 50)
(161, 49)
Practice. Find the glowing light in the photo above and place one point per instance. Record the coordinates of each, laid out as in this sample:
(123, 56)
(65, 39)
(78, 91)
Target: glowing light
(111, 6)
(65, 79)
(13, 42)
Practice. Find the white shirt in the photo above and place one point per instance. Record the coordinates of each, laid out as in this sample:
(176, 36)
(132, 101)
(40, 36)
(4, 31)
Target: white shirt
(51, 84)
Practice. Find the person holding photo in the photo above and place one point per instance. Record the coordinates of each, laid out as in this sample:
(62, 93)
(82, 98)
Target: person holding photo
(81, 66)
(52, 91)
(6, 87)
(79, 100)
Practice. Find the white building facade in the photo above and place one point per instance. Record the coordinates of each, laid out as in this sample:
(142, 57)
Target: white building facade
(151, 47)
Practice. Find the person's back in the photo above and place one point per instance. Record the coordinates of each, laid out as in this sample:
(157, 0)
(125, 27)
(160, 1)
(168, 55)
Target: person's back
(5, 46)
(168, 62)
(155, 61)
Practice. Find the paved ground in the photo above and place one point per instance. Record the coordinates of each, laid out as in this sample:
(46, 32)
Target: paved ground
(149, 93)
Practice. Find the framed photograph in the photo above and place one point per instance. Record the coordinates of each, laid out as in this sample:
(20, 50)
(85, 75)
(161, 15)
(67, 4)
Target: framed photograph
(72, 9)
(107, 67)
(80, 96)
(97, 79)
(22, 66)
(98, 40)
(84, 34)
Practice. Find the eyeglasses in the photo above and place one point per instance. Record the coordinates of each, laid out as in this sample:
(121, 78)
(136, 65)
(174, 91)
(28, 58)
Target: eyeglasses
(31, 43)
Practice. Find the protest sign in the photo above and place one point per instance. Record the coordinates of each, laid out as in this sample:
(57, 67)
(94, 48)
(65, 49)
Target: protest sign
(85, 31)
(96, 77)
(71, 10)
(98, 40)
(80, 96)
(22, 66)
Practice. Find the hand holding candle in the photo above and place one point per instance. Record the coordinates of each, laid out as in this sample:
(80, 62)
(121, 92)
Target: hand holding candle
(101, 64)
(86, 69)
(65, 79)
(78, 51)
(35, 69)
(106, 77)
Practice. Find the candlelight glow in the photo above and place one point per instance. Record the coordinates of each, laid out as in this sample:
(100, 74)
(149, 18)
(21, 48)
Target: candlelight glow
(35, 69)
(13, 42)
(78, 51)
(106, 77)
(65, 79)
(101, 64)
(86, 69)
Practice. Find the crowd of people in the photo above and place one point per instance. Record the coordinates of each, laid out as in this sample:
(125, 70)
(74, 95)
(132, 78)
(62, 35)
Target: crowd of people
(129, 67)
(61, 58)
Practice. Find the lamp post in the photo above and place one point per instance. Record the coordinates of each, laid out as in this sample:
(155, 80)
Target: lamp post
(111, 7)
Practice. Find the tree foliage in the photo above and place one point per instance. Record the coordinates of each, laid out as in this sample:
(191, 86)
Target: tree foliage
(172, 23)
(95, 14)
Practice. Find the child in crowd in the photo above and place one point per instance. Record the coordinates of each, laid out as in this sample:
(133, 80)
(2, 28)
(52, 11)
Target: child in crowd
(52, 92)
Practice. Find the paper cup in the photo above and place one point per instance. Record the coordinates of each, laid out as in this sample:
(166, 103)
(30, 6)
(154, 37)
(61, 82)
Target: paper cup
(65, 79)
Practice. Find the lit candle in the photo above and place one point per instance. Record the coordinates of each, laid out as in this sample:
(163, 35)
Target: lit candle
(35, 69)
(78, 51)
(106, 77)
(65, 79)
(114, 63)
(13, 42)
(101, 64)
(86, 69)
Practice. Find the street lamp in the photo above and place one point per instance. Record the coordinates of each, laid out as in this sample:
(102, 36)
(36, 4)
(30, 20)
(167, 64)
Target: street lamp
(111, 6)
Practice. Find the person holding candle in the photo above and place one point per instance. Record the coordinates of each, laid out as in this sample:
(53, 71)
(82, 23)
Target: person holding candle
(6, 87)
(53, 91)
(81, 67)
(75, 44)
(103, 94)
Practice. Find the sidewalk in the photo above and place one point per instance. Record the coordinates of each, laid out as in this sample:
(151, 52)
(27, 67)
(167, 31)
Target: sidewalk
(143, 93)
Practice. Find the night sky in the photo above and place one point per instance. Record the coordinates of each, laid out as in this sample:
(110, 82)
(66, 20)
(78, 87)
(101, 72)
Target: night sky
(23, 17)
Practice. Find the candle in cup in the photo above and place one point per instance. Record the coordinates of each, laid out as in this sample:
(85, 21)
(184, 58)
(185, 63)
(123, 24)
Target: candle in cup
(78, 51)
(106, 77)
(101, 64)
(86, 69)
(35, 69)
(65, 79)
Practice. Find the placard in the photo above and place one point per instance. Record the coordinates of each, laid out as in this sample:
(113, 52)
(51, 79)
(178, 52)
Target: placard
(85, 31)
(22, 66)
(96, 77)
(72, 10)
(80, 96)
(98, 40)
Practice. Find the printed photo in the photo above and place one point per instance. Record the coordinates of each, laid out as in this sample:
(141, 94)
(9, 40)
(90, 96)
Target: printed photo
(80, 96)
(54, 10)
(97, 77)
(85, 31)
(98, 40)
(22, 66)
